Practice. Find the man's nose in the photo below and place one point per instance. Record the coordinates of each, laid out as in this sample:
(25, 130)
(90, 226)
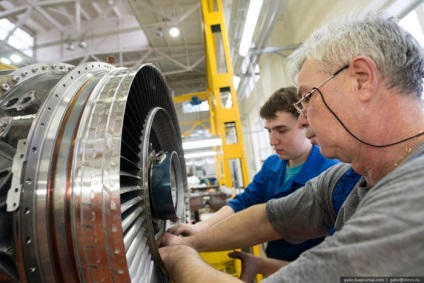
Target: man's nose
(273, 140)
(302, 122)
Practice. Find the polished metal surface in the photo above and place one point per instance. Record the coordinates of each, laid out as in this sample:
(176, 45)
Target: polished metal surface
(89, 139)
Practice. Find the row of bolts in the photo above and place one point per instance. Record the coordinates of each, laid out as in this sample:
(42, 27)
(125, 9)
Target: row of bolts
(16, 79)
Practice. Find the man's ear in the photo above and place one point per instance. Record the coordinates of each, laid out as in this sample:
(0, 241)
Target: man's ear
(364, 71)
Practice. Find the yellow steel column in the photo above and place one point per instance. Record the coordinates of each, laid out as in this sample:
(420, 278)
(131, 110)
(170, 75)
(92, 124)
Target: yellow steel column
(225, 121)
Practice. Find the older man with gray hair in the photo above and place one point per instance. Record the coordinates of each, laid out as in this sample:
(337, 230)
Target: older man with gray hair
(359, 84)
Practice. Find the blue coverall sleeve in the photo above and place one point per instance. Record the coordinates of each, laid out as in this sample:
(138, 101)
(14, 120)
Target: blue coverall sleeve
(255, 192)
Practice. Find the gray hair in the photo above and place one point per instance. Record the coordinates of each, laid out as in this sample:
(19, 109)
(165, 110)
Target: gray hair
(397, 54)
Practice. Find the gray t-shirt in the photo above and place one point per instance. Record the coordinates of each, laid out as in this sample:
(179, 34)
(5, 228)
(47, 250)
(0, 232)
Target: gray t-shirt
(379, 230)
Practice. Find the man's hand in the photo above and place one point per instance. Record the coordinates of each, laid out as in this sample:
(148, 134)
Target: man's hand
(168, 239)
(192, 229)
(252, 265)
(184, 229)
(248, 265)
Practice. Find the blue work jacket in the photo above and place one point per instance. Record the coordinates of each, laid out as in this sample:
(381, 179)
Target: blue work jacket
(268, 184)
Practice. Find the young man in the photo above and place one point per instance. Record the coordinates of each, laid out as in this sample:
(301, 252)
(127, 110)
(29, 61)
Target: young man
(360, 84)
(295, 162)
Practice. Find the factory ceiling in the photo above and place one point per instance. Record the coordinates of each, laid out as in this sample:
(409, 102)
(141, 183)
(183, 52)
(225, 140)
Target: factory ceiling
(137, 32)
(133, 32)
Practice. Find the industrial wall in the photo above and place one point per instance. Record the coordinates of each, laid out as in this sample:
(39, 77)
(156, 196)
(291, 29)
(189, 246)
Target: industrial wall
(298, 20)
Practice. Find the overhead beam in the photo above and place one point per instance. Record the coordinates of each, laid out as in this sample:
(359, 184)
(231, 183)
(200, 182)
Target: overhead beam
(50, 19)
(18, 10)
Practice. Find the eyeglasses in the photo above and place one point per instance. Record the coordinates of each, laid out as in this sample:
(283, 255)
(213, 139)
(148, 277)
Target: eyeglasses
(300, 107)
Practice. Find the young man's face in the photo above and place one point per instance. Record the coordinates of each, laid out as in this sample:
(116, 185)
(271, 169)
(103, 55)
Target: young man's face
(288, 140)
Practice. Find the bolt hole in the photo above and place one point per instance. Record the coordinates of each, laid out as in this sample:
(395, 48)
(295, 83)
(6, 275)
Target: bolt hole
(11, 102)
(26, 99)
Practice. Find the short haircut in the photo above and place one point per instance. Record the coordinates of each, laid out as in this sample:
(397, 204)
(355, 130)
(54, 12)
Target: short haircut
(281, 100)
(397, 54)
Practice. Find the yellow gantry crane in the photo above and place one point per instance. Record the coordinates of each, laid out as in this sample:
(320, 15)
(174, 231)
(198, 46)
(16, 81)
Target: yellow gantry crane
(224, 111)
(222, 98)
(224, 114)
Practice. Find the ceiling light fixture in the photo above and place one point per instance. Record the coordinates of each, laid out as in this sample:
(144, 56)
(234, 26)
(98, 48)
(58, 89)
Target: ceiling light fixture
(249, 26)
(70, 46)
(83, 44)
(174, 32)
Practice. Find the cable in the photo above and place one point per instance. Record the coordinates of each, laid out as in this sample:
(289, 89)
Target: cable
(364, 142)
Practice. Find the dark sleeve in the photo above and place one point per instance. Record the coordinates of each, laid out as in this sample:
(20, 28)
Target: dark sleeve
(255, 192)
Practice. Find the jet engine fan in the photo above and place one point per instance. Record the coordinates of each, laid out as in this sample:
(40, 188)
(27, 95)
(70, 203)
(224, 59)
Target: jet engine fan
(92, 173)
